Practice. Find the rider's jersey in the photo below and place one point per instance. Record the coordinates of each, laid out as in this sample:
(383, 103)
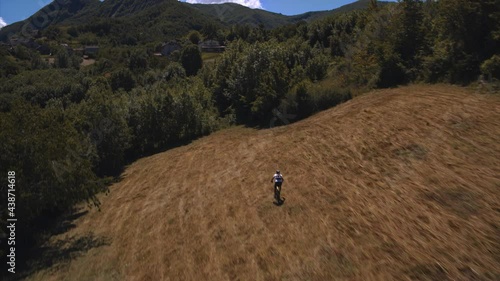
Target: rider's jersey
(278, 178)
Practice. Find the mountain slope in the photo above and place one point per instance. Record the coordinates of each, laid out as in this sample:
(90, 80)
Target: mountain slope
(230, 14)
(394, 185)
(159, 18)
(51, 14)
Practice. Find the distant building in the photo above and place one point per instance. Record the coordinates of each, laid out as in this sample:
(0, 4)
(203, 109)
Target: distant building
(91, 50)
(169, 47)
(211, 46)
(78, 51)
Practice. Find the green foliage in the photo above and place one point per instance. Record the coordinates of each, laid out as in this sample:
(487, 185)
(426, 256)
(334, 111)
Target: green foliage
(50, 159)
(88, 39)
(250, 80)
(101, 118)
(8, 66)
(209, 31)
(73, 31)
(491, 67)
(52, 32)
(302, 99)
(173, 71)
(317, 67)
(64, 60)
(138, 60)
(307, 98)
(18, 59)
(122, 79)
(167, 115)
(41, 86)
(194, 37)
(464, 38)
(191, 59)
(392, 72)
(408, 35)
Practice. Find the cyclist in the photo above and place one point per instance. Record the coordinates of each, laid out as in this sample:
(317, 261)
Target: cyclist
(278, 181)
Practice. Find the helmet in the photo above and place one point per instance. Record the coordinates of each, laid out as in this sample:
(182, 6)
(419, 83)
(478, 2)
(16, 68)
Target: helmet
(277, 171)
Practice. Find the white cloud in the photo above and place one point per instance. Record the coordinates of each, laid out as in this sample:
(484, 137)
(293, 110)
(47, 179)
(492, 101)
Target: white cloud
(254, 4)
(2, 23)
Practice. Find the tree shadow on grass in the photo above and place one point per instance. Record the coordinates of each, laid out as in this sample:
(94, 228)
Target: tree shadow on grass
(46, 254)
(61, 252)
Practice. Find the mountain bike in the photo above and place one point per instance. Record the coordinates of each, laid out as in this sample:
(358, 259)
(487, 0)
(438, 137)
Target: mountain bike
(277, 193)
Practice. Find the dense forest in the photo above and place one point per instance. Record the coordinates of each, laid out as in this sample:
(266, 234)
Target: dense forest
(68, 129)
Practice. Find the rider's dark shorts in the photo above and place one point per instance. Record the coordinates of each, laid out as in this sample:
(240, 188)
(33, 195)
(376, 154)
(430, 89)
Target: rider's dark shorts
(278, 184)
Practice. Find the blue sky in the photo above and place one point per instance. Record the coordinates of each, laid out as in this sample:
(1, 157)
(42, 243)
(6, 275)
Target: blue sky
(16, 10)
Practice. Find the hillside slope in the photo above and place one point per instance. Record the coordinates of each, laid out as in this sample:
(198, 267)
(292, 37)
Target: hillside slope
(230, 13)
(159, 18)
(400, 184)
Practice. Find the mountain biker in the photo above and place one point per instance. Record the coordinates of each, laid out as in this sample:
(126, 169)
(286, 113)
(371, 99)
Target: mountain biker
(278, 181)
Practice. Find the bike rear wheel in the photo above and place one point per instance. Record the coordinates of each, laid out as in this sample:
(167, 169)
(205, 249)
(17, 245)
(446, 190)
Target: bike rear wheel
(277, 193)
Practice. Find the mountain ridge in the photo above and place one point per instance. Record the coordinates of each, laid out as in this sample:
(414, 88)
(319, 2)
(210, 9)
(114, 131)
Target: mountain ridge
(78, 12)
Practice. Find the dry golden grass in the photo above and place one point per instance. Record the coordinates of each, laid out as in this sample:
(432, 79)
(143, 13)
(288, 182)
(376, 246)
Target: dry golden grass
(400, 184)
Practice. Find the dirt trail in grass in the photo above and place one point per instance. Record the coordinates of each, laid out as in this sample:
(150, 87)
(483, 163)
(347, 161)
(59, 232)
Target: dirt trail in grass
(400, 184)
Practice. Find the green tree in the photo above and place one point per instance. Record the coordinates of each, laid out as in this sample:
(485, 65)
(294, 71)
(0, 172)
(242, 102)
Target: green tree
(191, 59)
(409, 35)
(52, 32)
(138, 60)
(317, 67)
(491, 67)
(101, 117)
(169, 113)
(62, 59)
(209, 30)
(174, 70)
(51, 161)
(194, 36)
(465, 36)
(123, 79)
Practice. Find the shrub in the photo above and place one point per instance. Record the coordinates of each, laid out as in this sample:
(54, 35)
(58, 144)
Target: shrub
(123, 79)
(317, 67)
(491, 67)
(191, 59)
(174, 70)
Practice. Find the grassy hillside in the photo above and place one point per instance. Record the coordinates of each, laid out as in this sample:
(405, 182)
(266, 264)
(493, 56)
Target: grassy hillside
(398, 184)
